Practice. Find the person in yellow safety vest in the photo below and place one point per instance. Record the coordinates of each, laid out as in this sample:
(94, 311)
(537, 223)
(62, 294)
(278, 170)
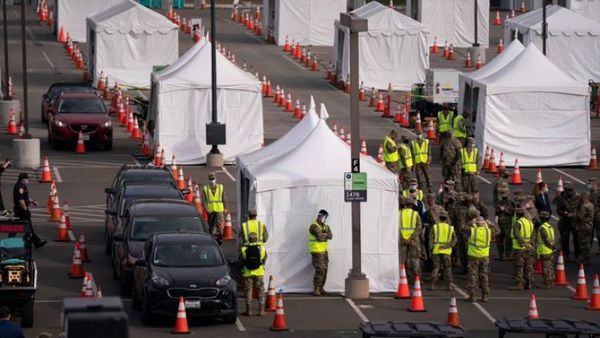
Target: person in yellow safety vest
(441, 240)
(478, 234)
(421, 152)
(213, 199)
(546, 245)
(445, 120)
(318, 235)
(390, 151)
(469, 159)
(253, 259)
(417, 194)
(405, 163)
(253, 225)
(409, 244)
(459, 126)
(523, 243)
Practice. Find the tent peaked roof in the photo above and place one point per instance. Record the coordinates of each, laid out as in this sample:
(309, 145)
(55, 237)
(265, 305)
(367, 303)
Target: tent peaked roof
(531, 70)
(129, 16)
(561, 21)
(320, 160)
(512, 51)
(384, 20)
(192, 70)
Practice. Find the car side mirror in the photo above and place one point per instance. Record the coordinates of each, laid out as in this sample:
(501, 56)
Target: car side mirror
(185, 191)
(118, 237)
(110, 212)
(140, 263)
(109, 191)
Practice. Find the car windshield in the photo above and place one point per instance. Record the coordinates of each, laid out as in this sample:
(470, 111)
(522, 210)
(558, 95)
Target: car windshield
(82, 106)
(187, 254)
(56, 91)
(145, 226)
(168, 192)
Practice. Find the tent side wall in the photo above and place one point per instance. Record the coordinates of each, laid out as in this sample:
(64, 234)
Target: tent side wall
(308, 22)
(456, 29)
(588, 8)
(72, 14)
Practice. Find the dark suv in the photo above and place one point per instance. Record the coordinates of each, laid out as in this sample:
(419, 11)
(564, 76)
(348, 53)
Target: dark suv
(188, 265)
(142, 219)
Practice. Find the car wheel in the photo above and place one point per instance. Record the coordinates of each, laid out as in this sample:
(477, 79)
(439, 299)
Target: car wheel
(230, 319)
(108, 145)
(27, 314)
(147, 316)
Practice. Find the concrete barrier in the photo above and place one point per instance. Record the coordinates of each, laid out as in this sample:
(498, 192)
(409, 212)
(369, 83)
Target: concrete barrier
(26, 153)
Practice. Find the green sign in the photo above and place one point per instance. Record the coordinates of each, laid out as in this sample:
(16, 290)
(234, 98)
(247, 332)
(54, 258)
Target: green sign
(355, 187)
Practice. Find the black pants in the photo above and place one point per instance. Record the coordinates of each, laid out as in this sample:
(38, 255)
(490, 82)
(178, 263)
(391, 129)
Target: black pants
(25, 215)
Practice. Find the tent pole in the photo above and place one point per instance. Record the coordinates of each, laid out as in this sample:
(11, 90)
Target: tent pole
(544, 28)
(476, 20)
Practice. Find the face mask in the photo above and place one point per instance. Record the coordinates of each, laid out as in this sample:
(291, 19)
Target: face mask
(420, 136)
(212, 182)
(545, 189)
(26, 181)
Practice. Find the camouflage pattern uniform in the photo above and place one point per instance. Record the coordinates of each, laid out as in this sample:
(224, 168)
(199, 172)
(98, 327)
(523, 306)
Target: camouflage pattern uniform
(458, 217)
(567, 205)
(531, 211)
(523, 258)
(584, 227)
(450, 157)
(546, 260)
(504, 211)
(440, 261)
(410, 250)
(470, 183)
(476, 203)
(595, 199)
(431, 217)
(500, 184)
(478, 268)
(447, 198)
(320, 261)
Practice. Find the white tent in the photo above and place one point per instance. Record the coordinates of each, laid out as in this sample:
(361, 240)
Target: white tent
(588, 8)
(454, 21)
(465, 80)
(71, 15)
(181, 107)
(394, 50)
(126, 40)
(573, 43)
(530, 110)
(288, 189)
(308, 22)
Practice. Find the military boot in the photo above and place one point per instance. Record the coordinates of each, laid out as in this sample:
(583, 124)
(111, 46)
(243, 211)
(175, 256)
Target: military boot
(471, 298)
(247, 312)
(448, 285)
(484, 298)
(323, 292)
(317, 291)
(516, 287)
(261, 309)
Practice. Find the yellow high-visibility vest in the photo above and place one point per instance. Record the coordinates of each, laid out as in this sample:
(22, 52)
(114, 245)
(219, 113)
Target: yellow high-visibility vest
(408, 223)
(526, 231)
(445, 122)
(469, 162)
(407, 156)
(479, 242)
(390, 156)
(214, 201)
(421, 152)
(260, 271)
(420, 194)
(314, 245)
(542, 249)
(442, 235)
(253, 226)
(459, 132)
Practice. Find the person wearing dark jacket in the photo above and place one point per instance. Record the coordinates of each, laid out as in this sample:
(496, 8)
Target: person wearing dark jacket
(8, 329)
(542, 200)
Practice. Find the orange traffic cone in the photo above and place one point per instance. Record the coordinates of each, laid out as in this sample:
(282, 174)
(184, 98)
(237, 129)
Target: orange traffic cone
(431, 130)
(174, 170)
(380, 154)
(342, 134)
(516, 175)
(269, 89)
(286, 45)
(51, 193)
(277, 98)
(533, 311)
(65, 211)
(468, 62)
(189, 197)
(181, 324)
(297, 109)
(560, 278)
(446, 51)
(46, 175)
(279, 322)
(492, 169)
(479, 63)
(314, 66)
(362, 95)
(11, 129)
(501, 164)
(228, 229)
(497, 20)
(288, 104)
(559, 186)
(62, 233)
(373, 98)
(136, 134)
(399, 115)
(363, 147)
(83, 247)
(158, 156)
(61, 35)
(418, 124)
(76, 265)
(594, 304)
(416, 303)
(434, 47)
(486, 158)
(170, 14)
(500, 48)
(56, 212)
(451, 53)
(538, 177)
(453, 317)
(593, 161)
(180, 179)
(89, 287)
(271, 301)
(101, 85)
(581, 293)
(403, 291)
(84, 284)
(80, 148)
(380, 105)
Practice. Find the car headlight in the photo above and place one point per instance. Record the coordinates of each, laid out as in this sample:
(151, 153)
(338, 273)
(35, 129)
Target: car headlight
(59, 123)
(107, 124)
(223, 280)
(159, 281)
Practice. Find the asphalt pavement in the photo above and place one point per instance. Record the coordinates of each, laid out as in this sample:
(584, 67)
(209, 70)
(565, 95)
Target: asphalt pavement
(82, 179)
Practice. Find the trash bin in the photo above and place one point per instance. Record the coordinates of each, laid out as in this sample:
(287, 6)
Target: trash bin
(410, 329)
(548, 327)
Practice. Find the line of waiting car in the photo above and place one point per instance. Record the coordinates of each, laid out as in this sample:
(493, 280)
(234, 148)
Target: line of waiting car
(161, 249)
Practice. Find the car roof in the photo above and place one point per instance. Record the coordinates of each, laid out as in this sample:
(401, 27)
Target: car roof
(152, 189)
(131, 174)
(71, 84)
(83, 96)
(174, 237)
(162, 207)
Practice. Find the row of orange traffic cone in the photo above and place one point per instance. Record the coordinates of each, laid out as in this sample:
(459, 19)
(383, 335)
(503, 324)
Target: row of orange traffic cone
(348, 138)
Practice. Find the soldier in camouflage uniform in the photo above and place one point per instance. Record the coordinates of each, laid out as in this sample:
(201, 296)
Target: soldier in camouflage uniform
(459, 217)
(500, 184)
(595, 199)
(409, 239)
(546, 245)
(476, 203)
(447, 197)
(479, 234)
(504, 211)
(253, 278)
(441, 239)
(470, 159)
(450, 157)
(431, 217)
(517, 194)
(531, 211)
(523, 235)
(318, 235)
(584, 227)
(567, 205)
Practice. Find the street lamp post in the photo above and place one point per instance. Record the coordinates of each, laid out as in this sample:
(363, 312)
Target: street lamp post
(476, 50)
(544, 27)
(24, 51)
(357, 283)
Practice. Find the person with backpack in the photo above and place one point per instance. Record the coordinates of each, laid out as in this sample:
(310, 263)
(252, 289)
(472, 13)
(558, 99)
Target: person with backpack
(253, 258)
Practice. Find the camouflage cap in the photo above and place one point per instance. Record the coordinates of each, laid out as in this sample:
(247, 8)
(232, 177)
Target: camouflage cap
(480, 220)
(252, 212)
(443, 213)
(414, 181)
(520, 211)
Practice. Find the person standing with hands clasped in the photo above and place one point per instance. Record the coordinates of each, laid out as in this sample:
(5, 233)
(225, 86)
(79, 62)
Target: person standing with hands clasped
(318, 235)
(22, 201)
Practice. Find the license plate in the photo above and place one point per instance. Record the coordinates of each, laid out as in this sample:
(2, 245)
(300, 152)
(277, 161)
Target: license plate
(192, 304)
(86, 137)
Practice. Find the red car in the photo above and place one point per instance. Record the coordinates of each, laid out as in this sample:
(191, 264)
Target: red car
(72, 113)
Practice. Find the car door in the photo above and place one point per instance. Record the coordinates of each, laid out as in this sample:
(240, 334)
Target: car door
(121, 247)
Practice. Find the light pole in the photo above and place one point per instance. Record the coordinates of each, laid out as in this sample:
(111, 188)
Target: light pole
(476, 50)
(357, 283)
(24, 50)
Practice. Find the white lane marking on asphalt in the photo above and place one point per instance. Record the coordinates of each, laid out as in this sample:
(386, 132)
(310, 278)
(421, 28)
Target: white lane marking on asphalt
(571, 288)
(87, 162)
(142, 95)
(484, 179)
(239, 325)
(477, 305)
(357, 310)
(47, 59)
(254, 37)
(30, 33)
(57, 174)
(135, 160)
(491, 298)
(293, 62)
(228, 174)
(569, 176)
(52, 301)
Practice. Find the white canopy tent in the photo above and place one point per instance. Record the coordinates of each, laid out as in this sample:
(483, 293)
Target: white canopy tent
(573, 43)
(288, 189)
(126, 40)
(454, 21)
(394, 50)
(308, 22)
(71, 15)
(588, 8)
(181, 107)
(465, 80)
(530, 110)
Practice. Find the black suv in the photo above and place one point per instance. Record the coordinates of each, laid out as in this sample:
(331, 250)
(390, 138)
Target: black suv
(188, 265)
(142, 219)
